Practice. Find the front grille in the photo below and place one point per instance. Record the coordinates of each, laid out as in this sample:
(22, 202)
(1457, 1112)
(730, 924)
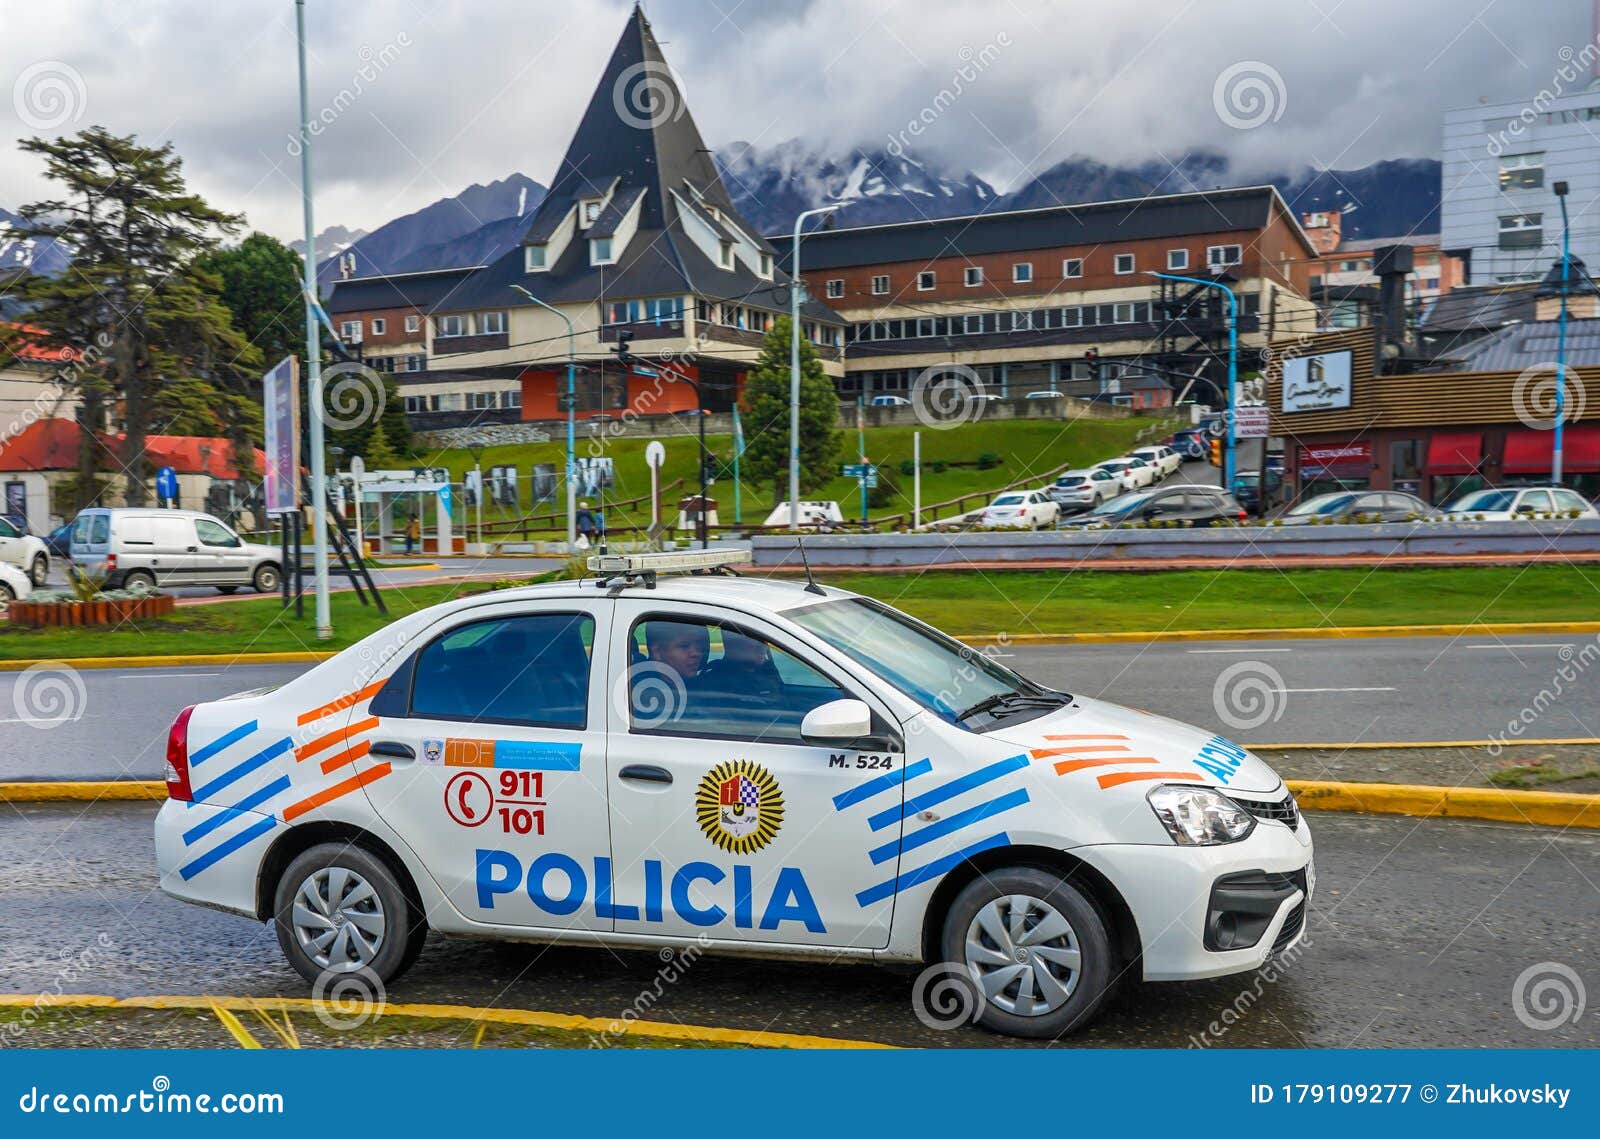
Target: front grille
(1279, 811)
(1291, 928)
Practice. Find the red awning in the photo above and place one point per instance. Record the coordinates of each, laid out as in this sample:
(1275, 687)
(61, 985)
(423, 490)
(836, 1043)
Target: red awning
(1528, 452)
(1580, 450)
(1454, 453)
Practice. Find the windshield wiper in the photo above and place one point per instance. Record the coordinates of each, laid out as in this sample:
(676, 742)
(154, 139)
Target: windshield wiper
(1012, 700)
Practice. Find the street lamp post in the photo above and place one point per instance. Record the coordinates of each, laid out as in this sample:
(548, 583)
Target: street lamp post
(1560, 189)
(572, 411)
(794, 364)
(1233, 367)
(319, 465)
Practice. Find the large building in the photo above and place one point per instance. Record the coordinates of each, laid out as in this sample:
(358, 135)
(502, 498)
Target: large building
(637, 235)
(1498, 210)
(1343, 281)
(1021, 298)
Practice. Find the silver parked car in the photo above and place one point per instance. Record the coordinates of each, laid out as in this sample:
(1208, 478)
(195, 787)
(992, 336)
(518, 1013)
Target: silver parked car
(133, 546)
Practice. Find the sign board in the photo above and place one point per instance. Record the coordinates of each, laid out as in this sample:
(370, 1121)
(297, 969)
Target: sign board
(358, 467)
(1250, 422)
(1338, 455)
(1316, 383)
(859, 470)
(655, 454)
(167, 484)
(280, 396)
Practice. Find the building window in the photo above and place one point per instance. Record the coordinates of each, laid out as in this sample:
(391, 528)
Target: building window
(1072, 267)
(1521, 231)
(492, 322)
(480, 401)
(835, 288)
(880, 286)
(350, 331)
(413, 363)
(972, 276)
(726, 255)
(450, 325)
(413, 323)
(379, 326)
(1123, 265)
(1021, 321)
(925, 280)
(533, 258)
(511, 399)
(1522, 171)
(1221, 256)
(600, 251)
(766, 265)
(1177, 259)
(925, 326)
(1022, 272)
(590, 211)
(1122, 313)
(1071, 317)
(972, 324)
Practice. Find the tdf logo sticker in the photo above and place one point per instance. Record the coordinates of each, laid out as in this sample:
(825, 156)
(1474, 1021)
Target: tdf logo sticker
(739, 806)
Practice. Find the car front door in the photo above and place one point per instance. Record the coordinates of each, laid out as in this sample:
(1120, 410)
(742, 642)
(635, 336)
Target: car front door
(1534, 502)
(222, 553)
(10, 544)
(494, 734)
(725, 822)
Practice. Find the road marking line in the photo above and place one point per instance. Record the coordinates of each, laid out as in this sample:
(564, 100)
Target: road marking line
(1514, 648)
(158, 675)
(1338, 690)
(1201, 652)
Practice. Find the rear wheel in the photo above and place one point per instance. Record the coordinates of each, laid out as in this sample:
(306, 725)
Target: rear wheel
(340, 909)
(1036, 949)
(266, 579)
(40, 571)
(137, 580)
(7, 594)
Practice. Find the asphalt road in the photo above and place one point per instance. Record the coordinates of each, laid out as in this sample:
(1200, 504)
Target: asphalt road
(1335, 691)
(1418, 935)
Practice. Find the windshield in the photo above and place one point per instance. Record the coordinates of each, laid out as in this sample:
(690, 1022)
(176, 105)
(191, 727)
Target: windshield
(938, 672)
(1007, 500)
(1124, 503)
(1324, 504)
(1485, 500)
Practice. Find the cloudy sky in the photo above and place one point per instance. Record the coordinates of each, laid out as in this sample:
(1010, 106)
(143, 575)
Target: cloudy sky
(463, 91)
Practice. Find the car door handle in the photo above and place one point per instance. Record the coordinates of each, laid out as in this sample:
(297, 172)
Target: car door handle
(392, 749)
(645, 773)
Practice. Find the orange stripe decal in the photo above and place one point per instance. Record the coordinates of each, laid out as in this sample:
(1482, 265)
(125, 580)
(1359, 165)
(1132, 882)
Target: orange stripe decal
(1122, 777)
(334, 737)
(1100, 736)
(348, 755)
(329, 794)
(1067, 766)
(348, 700)
(1076, 749)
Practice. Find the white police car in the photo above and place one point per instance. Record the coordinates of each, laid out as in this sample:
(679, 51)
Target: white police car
(771, 765)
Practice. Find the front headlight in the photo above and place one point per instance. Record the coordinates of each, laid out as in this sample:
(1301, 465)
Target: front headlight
(1200, 816)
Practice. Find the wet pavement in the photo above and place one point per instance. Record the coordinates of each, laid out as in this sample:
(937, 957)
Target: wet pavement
(1418, 934)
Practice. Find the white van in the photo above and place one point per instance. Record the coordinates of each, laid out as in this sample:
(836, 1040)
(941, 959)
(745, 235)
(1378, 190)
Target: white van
(133, 546)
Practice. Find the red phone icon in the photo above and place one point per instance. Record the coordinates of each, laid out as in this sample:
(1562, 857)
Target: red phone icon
(462, 802)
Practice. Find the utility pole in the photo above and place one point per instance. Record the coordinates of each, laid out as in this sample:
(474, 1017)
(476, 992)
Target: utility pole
(1560, 189)
(319, 461)
(572, 411)
(795, 287)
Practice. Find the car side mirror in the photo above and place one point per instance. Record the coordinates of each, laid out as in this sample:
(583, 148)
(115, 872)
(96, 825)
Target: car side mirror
(837, 720)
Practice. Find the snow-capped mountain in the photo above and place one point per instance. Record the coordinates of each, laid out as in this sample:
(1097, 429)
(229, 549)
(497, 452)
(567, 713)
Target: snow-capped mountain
(771, 186)
(331, 242)
(44, 256)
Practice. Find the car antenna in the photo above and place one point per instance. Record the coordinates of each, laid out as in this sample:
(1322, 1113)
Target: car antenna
(811, 583)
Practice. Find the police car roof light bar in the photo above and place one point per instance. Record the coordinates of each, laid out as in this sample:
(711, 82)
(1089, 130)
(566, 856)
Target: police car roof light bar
(621, 570)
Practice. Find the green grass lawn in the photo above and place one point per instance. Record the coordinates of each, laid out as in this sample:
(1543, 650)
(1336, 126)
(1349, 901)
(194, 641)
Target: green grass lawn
(1027, 448)
(980, 604)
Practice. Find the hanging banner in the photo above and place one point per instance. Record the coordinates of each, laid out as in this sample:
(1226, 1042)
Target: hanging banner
(280, 397)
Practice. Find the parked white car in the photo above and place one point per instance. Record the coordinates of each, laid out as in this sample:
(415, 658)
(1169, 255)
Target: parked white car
(25, 551)
(1034, 509)
(890, 401)
(739, 764)
(1136, 474)
(14, 584)
(1164, 459)
(1504, 504)
(1084, 490)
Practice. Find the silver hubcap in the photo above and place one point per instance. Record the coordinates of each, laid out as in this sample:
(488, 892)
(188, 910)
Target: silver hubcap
(338, 919)
(1023, 954)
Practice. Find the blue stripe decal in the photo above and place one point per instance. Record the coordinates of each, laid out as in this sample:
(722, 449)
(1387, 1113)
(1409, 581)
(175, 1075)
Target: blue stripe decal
(525, 755)
(225, 814)
(240, 770)
(947, 791)
(222, 741)
(882, 783)
(227, 846)
(949, 825)
(925, 873)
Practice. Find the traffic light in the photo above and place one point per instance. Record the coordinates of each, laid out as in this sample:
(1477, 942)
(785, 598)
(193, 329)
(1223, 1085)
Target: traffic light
(1091, 359)
(1215, 457)
(624, 338)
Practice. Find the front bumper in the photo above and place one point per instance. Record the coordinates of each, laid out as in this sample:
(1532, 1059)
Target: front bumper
(1170, 891)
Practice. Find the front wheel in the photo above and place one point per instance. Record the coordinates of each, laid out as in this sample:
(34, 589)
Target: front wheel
(1036, 949)
(7, 594)
(340, 909)
(40, 572)
(266, 579)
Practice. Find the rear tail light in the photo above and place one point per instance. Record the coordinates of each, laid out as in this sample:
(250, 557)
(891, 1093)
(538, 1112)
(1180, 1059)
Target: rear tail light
(1243, 516)
(111, 561)
(178, 758)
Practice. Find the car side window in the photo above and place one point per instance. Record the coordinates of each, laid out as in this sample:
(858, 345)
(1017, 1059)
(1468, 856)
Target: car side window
(214, 534)
(1536, 500)
(7, 530)
(1568, 500)
(695, 677)
(531, 669)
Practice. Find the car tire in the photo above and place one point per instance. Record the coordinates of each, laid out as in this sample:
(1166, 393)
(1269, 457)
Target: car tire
(266, 579)
(134, 579)
(39, 572)
(227, 589)
(7, 594)
(348, 888)
(979, 925)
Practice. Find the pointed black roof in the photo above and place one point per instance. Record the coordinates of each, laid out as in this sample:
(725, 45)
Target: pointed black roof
(1578, 280)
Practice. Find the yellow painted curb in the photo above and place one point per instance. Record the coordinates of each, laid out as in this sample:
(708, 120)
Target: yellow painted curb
(1402, 745)
(81, 792)
(181, 660)
(1316, 633)
(1545, 808)
(659, 1030)
(422, 566)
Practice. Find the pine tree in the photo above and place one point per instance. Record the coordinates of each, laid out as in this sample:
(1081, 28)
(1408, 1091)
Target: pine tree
(378, 455)
(260, 285)
(766, 425)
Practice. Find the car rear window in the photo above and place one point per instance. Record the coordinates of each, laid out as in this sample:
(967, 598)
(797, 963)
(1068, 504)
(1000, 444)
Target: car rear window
(532, 669)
